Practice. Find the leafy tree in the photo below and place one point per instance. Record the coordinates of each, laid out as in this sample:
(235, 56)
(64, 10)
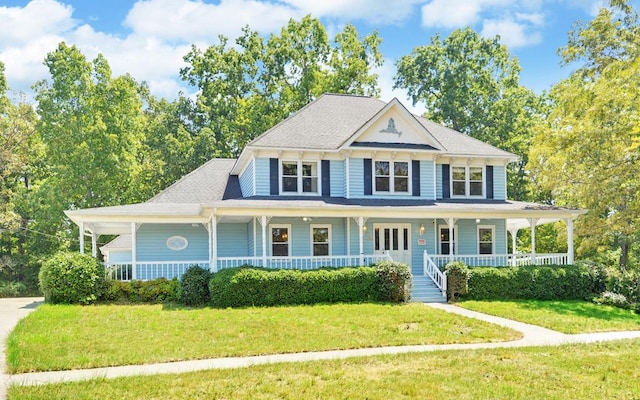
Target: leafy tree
(91, 124)
(587, 154)
(247, 88)
(471, 84)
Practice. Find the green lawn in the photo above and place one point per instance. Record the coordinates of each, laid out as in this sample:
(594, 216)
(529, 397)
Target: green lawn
(562, 316)
(66, 337)
(597, 371)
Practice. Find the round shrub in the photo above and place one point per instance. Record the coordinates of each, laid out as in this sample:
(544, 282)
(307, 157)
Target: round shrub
(395, 281)
(72, 278)
(194, 286)
(457, 279)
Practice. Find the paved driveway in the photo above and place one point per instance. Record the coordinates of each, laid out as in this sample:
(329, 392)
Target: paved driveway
(12, 311)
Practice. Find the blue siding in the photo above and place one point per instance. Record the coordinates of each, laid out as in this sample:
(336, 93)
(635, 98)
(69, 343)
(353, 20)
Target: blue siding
(439, 181)
(356, 177)
(120, 256)
(232, 240)
(426, 179)
(337, 173)
(300, 235)
(262, 177)
(246, 180)
(499, 189)
(152, 242)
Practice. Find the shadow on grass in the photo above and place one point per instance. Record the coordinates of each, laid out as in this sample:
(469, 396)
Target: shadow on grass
(581, 309)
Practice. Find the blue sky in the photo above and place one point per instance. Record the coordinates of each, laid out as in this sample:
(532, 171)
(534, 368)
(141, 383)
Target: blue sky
(148, 38)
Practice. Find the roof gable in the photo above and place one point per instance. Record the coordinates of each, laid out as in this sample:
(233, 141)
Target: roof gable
(396, 127)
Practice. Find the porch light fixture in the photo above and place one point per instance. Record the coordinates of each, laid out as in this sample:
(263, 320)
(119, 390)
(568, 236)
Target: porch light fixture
(421, 230)
(306, 219)
(364, 228)
(477, 220)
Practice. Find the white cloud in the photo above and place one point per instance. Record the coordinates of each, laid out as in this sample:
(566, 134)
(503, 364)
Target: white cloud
(373, 11)
(188, 20)
(512, 33)
(37, 19)
(456, 13)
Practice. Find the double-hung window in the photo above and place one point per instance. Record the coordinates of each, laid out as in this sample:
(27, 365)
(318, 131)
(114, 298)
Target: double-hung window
(299, 177)
(467, 181)
(392, 176)
(320, 240)
(280, 240)
(485, 239)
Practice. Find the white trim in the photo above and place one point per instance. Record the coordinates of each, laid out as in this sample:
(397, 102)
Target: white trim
(455, 239)
(392, 177)
(254, 186)
(348, 236)
(311, 227)
(493, 237)
(435, 180)
(467, 182)
(300, 177)
(289, 238)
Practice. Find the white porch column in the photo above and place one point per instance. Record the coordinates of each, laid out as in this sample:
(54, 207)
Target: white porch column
(533, 222)
(263, 222)
(348, 237)
(81, 227)
(94, 245)
(134, 252)
(450, 224)
(570, 250)
(361, 237)
(213, 265)
(514, 236)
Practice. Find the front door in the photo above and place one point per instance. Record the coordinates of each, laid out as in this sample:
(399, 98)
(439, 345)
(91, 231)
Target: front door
(394, 239)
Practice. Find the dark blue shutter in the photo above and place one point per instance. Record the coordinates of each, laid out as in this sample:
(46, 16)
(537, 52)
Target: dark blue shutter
(446, 189)
(415, 177)
(489, 181)
(368, 176)
(274, 187)
(326, 179)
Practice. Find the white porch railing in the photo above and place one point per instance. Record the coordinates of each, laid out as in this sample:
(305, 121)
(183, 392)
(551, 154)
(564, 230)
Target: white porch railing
(437, 276)
(146, 270)
(501, 260)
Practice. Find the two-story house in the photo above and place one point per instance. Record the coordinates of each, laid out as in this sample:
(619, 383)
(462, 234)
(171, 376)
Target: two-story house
(345, 181)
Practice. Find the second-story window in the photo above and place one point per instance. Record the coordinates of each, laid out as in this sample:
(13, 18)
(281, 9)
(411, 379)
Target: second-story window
(392, 176)
(467, 181)
(300, 177)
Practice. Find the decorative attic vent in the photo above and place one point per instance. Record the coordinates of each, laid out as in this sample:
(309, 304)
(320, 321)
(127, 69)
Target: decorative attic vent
(391, 128)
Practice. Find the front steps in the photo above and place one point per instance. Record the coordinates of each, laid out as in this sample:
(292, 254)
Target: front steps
(425, 291)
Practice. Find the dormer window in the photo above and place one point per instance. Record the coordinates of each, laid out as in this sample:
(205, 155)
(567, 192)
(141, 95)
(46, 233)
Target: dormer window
(467, 181)
(391, 177)
(299, 177)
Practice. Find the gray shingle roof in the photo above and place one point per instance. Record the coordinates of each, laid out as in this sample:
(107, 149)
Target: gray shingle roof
(204, 184)
(323, 124)
(329, 121)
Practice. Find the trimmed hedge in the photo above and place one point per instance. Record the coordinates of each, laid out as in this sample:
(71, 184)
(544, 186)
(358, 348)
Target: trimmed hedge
(155, 291)
(71, 278)
(194, 286)
(252, 286)
(549, 282)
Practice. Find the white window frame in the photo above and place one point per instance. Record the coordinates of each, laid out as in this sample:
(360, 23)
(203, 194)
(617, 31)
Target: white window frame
(300, 177)
(493, 237)
(455, 239)
(467, 182)
(392, 177)
(171, 240)
(289, 238)
(311, 227)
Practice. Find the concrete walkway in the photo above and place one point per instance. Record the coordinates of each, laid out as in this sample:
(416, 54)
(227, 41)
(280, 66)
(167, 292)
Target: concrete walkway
(532, 336)
(12, 311)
